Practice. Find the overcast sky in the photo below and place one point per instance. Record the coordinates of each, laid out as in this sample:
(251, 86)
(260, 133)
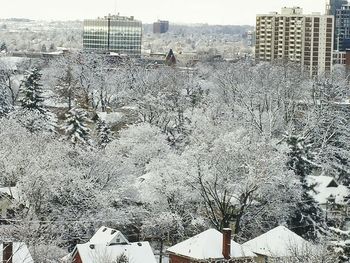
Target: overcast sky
(236, 12)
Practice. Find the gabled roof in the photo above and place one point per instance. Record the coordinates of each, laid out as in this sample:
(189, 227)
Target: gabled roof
(326, 186)
(207, 245)
(20, 253)
(278, 242)
(108, 244)
(140, 252)
(108, 236)
(322, 181)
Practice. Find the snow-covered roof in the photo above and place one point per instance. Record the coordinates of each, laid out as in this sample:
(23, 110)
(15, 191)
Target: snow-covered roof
(108, 236)
(108, 244)
(208, 245)
(20, 253)
(278, 242)
(140, 252)
(326, 186)
(322, 181)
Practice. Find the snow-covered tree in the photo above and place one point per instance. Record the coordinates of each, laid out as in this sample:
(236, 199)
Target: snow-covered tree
(9, 81)
(308, 219)
(3, 47)
(239, 178)
(329, 127)
(5, 104)
(32, 91)
(122, 259)
(33, 114)
(104, 133)
(76, 128)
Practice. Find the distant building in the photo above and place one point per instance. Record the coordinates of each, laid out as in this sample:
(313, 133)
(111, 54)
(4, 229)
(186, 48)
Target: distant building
(293, 36)
(160, 27)
(210, 246)
(333, 5)
(110, 245)
(342, 28)
(117, 34)
(251, 38)
(340, 9)
(278, 244)
(339, 57)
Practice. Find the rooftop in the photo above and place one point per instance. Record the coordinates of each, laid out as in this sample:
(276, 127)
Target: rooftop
(278, 242)
(108, 244)
(208, 244)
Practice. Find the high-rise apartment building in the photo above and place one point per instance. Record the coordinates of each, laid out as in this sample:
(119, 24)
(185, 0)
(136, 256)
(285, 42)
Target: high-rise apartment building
(160, 27)
(293, 36)
(113, 34)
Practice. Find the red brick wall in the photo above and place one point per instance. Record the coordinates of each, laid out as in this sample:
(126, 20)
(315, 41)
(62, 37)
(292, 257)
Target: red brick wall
(177, 259)
(77, 258)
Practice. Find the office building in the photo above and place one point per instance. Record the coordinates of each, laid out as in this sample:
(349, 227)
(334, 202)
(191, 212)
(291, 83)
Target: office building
(160, 27)
(340, 9)
(342, 28)
(293, 36)
(333, 5)
(117, 34)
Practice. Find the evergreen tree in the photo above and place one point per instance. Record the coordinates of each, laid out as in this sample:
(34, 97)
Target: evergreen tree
(5, 104)
(43, 48)
(3, 47)
(76, 128)
(52, 47)
(32, 92)
(308, 220)
(105, 134)
(33, 114)
(170, 59)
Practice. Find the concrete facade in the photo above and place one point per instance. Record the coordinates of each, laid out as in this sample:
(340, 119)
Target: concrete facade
(292, 36)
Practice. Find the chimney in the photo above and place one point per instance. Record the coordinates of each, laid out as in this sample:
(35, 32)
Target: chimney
(7, 252)
(226, 243)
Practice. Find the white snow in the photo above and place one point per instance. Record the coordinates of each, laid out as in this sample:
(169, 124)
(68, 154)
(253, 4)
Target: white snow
(108, 244)
(278, 242)
(110, 118)
(11, 191)
(140, 252)
(12, 62)
(20, 253)
(206, 245)
(108, 236)
(324, 187)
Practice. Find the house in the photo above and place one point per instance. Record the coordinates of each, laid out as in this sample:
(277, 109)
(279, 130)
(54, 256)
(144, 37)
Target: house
(15, 252)
(209, 246)
(277, 243)
(109, 245)
(326, 188)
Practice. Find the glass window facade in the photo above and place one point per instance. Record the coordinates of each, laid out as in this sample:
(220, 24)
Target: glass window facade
(342, 25)
(118, 34)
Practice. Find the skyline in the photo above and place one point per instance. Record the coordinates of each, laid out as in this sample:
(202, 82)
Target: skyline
(228, 12)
